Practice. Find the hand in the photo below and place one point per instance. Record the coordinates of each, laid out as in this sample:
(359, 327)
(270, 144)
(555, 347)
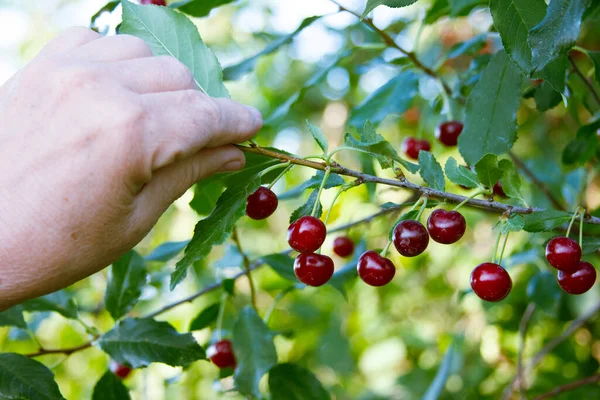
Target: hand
(97, 139)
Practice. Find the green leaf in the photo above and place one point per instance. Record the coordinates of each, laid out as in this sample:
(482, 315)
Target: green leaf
(13, 317)
(464, 7)
(229, 286)
(167, 251)
(595, 57)
(334, 180)
(58, 302)
(511, 181)
(282, 264)
(27, 379)
(410, 215)
(392, 98)
(590, 244)
(583, 147)
(436, 387)
(108, 7)
(431, 171)
(555, 73)
(515, 223)
(169, 33)
(319, 136)
(205, 318)
(461, 175)
(109, 387)
(126, 279)
(293, 382)
(254, 351)
(544, 221)
(513, 19)
(140, 342)
(206, 194)
(543, 290)
(546, 97)
(238, 70)
(488, 171)
(199, 8)
(439, 9)
(217, 227)
(469, 47)
(306, 208)
(372, 4)
(348, 272)
(231, 258)
(491, 113)
(558, 31)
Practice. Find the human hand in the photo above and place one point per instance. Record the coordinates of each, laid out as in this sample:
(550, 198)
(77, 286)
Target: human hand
(97, 139)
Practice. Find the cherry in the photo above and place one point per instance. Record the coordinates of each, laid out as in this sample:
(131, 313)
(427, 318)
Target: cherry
(448, 132)
(490, 282)
(563, 253)
(120, 370)
(410, 238)
(155, 2)
(446, 227)
(313, 269)
(499, 190)
(261, 204)
(221, 354)
(578, 281)
(343, 246)
(375, 270)
(307, 234)
(412, 147)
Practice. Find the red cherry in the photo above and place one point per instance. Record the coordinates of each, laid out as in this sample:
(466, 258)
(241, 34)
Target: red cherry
(446, 227)
(578, 281)
(499, 190)
(412, 147)
(343, 246)
(448, 132)
(261, 204)
(313, 269)
(490, 282)
(563, 253)
(120, 370)
(375, 270)
(410, 238)
(155, 2)
(221, 354)
(307, 234)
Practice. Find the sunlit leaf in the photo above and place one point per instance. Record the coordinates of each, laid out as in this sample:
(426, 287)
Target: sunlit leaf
(27, 379)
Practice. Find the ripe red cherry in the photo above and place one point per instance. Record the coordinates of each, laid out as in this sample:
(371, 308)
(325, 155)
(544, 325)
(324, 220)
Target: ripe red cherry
(313, 269)
(448, 133)
(490, 282)
(221, 354)
(155, 2)
(375, 270)
(410, 238)
(343, 246)
(578, 281)
(499, 190)
(120, 370)
(261, 204)
(412, 147)
(307, 234)
(563, 253)
(446, 227)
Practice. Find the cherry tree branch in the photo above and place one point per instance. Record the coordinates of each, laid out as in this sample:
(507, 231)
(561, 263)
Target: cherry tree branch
(66, 351)
(569, 386)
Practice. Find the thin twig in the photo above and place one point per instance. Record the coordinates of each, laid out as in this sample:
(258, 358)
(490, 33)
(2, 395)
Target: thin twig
(247, 266)
(67, 351)
(569, 386)
(585, 80)
(518, 381)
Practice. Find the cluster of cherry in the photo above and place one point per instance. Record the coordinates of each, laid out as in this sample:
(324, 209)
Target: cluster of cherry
(574, 275)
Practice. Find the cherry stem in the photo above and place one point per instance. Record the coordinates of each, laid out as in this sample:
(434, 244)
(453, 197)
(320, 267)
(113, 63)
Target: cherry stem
(224, 298)
(317, 201)
(274, 167)
(572, 221)
(276, 301)
(285, 171)
(414, 206)
(496, 246)
(247, 266)
(503, 248)
(386, 249)
(342, 189)
(465, 201)
(423, 207)
(581, 229)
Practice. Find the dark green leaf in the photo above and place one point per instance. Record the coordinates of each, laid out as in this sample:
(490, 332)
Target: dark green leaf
(464, 7)
(126, 279)
(511, 181)
(254, 351)
(595, 57)
(372, 4)
(216, 228)
(546, 98)
(439, 9)
(167, 251)
(13, 317)
(515, 223)
(109, 387)
(58, 302)
(25, 379)
(581, 149)
(544, 292)
(546, 220)
(555, 73)
(306, 208)
(461, 175)
(318, 135)
(293, 382)
(334, 180)
(140, 342)
(469, 47)
(282, 264)
(238, 70)
(229, 286)
(163, 30)
(436, 387)
(557, 32)
(205, 318)
(491, 114)
(108, 7)
(488, 171)
(590, 244)
(199, 8)
(392, 98)
(431, 171)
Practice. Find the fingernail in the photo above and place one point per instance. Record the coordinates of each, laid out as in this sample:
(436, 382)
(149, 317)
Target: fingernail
(258, 119)
(233, 165)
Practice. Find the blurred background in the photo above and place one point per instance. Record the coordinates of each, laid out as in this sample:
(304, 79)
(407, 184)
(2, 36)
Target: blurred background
(369, 343)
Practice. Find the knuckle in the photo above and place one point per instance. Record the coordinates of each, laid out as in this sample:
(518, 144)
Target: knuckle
(82, 33)
(178, 69)
(136, 45)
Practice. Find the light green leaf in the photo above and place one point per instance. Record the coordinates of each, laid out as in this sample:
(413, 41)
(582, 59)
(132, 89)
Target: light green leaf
(59, 302)
(205, 318)
(293, 382)
(436, 387)
(126, 279)
(306, 208)
(167, 251)
(26, 379)
(199, 8)
(515, 223)
(169, 33)
(140, 342)
(216, 228)
(431, 171)
(544, 221)
(319, 136)
(491, 113)
(558, 31)
(511, 181)
(13, 317)
(488, 171)
(109, 387)
(282, 264)
(461, 175)
(590, 244)
(439, 9)
(314, 182)
(372, 4)
(254, 351)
